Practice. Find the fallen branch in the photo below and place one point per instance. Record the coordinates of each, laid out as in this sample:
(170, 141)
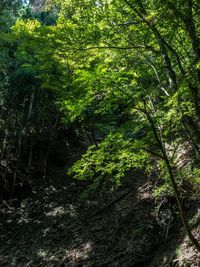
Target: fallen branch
(109, 204)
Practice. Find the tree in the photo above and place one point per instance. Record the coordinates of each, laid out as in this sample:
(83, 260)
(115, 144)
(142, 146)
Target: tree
(144, 31)
(123, 69)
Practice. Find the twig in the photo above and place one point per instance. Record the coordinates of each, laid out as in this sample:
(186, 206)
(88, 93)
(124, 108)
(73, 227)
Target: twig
(109, 204)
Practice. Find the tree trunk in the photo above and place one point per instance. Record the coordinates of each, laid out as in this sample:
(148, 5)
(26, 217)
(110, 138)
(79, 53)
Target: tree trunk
(172, 179)
(30, 106)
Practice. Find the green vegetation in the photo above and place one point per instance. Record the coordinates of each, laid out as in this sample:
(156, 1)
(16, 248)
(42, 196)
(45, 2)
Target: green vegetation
(125, 75)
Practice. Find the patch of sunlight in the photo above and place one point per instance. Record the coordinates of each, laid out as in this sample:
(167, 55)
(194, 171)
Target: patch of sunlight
(65, 187)
(9, 221)
(49, 205)
(24, 221)
(55, 212)
(42, 253)
(51, 189)
(80, 253)
(46, 231)
(38, 222)
(72, 211)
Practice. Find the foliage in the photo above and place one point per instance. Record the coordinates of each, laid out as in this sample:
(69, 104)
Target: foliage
(113, 158)
(121, 70)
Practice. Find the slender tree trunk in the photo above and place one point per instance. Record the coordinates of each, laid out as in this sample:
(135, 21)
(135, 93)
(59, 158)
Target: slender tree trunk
(172, 179)
(5, 138)
(195, 98)
(141, 13)
(181, 209)
(19, 147)
(4, 143)
(191, 29)
(190, 139)
(45, 161)
(46, 158)
(30, 154)
(18, 160)
(30, 106)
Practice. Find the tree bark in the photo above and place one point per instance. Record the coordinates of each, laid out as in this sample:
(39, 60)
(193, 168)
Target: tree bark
(172, 179)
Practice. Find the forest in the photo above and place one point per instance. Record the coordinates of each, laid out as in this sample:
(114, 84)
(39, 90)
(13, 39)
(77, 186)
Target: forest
(99, 133)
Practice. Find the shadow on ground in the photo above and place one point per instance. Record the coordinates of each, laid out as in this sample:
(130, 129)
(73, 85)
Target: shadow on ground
(55, 228)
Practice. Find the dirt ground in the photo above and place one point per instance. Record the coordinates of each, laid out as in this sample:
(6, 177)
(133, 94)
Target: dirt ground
(115, 227)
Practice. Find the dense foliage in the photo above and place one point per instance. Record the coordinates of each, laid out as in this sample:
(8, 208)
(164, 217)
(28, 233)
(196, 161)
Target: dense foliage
(126, 73)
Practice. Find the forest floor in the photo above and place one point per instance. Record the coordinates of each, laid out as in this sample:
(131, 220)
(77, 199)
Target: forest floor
(115, 227)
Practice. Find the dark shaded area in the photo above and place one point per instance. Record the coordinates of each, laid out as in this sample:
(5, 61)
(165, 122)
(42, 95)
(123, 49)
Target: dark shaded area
(54, 227)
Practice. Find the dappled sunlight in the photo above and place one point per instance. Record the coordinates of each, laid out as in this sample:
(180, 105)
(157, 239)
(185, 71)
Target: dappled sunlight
(42, 253)
(65, 231)
(51, 189)
(24, 221)
(80, 253)
(70, 210)
(99, 133)
(55, 212)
